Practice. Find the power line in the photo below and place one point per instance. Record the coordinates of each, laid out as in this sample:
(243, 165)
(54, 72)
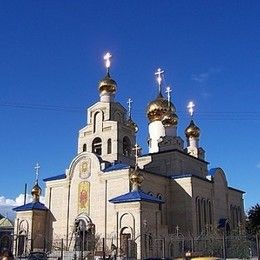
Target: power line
(137, 113)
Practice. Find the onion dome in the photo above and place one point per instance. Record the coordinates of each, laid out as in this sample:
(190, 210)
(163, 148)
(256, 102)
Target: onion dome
(192, 130)
(170, 119)
(132, 125)
(36, 192)
(136, 178)
(157, 108)
(107, 84)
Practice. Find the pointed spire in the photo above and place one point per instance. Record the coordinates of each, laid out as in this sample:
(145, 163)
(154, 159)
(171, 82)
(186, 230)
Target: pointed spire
(36, 190)
(158, 75)
(136, 177)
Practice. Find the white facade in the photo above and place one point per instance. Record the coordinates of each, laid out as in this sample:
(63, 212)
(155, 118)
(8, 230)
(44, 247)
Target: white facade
(183, 191)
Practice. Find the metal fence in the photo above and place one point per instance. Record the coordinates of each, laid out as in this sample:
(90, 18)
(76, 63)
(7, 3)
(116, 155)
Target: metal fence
(232, 245)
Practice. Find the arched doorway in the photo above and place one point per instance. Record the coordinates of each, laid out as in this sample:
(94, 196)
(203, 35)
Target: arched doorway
(22, 241)
(84, 231)
(127, 244)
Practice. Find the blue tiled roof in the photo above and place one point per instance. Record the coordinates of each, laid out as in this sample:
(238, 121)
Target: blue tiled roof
(138, 195)
(117, 166)
(31, 206)
(58, 177)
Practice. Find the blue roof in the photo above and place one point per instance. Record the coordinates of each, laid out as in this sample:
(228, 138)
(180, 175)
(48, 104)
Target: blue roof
(58, 177)
(133, 196)
(31, 206)
(117, 166)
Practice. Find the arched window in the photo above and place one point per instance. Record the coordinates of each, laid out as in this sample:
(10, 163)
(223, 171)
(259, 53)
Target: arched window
(198, 215)
(98, 119)
(204, 213)
(109, 146)
(232, 222)
(210, 213)
(84, 148)
(126, 146)
(97, 146)
(159, 196)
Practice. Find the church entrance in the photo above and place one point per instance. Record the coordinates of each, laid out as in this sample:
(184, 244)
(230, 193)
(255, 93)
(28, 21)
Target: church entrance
(21, 244)
(127, 244)
(84, 231)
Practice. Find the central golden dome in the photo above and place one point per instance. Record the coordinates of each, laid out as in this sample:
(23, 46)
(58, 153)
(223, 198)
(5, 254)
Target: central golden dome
(192, 130)
(107, 84)
(157, 108)
(170, 119)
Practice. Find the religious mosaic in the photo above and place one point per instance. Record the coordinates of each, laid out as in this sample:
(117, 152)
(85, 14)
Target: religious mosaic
(83, 197)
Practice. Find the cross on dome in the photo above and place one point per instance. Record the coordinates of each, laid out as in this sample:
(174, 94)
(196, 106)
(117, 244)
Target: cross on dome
(168, 91)
(158, 75)
(190, 108)
(129, 102)
(37, 169)
(136, 148)
(107, 58)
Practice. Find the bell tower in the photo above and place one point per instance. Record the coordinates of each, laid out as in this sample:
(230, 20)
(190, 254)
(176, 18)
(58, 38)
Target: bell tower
(110, 132)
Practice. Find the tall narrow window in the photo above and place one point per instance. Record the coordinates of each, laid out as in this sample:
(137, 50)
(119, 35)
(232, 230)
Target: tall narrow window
(109, 146)
(204, 213)
(84, 148)
(126, 146)
(98, 120)
(198, 215)
(210, 213)
(97, 146)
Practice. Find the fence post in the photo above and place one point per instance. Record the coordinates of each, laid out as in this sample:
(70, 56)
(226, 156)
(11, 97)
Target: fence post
(257, 246)
(103, 248)
(61, 253)
(163, 248)
(224, 245)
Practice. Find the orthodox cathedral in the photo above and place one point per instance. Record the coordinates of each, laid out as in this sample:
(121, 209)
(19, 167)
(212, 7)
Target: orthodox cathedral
(133, 201)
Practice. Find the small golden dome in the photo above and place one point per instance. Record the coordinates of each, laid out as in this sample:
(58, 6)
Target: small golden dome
(136, 178)
(158, 108)
(131, 124)
(107, 84)
(36, 191)
(170, 119)
(192, 130)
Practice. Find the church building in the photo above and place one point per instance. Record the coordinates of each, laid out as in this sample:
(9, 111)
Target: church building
(135, 202)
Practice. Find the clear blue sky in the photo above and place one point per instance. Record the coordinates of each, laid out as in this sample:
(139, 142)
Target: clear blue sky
(51, 60)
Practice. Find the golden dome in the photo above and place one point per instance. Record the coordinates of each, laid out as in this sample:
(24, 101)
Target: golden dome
(158, 108)
(170, 119)
(107, 84)
(192, 130)
(131, 124)
(136, 178)
(36, 191)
